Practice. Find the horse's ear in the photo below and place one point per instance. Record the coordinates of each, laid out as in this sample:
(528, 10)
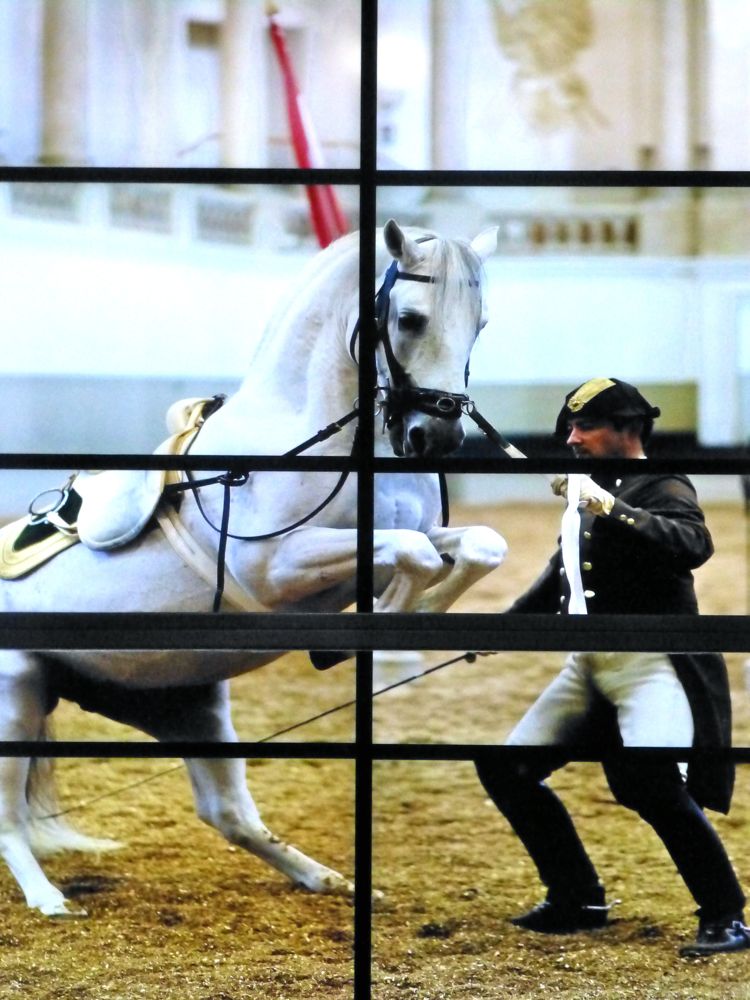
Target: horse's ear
(400, 246)
(486, 243)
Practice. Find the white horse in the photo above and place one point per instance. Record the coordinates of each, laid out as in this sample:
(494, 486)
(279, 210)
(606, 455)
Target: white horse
(303, 377)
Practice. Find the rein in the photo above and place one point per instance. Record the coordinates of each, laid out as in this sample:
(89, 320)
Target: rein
(230, 479)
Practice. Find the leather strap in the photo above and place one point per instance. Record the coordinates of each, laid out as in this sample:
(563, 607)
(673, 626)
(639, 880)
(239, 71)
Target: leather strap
(202, 562)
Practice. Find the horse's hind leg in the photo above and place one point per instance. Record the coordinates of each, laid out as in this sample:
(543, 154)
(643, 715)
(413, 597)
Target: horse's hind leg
(22, 715)
(223, 800)
(39, 893)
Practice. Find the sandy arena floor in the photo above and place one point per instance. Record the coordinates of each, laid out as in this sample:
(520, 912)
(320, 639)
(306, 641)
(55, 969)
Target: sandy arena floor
(177, 914)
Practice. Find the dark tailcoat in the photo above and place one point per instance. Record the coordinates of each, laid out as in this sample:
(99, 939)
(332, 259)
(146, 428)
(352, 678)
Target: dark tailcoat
(639, 560)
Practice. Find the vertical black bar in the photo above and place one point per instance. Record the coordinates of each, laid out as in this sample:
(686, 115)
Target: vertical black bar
(365, 500)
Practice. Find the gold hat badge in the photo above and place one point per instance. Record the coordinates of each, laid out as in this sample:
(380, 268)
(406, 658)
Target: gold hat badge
(585, 393)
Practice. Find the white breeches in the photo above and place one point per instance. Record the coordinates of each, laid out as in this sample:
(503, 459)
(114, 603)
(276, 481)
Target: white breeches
(652, 707)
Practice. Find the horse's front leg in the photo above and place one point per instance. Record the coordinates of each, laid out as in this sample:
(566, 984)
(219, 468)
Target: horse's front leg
(469, 554)
(220, 791)
(223, 800)
(315, 562)
(411, 561)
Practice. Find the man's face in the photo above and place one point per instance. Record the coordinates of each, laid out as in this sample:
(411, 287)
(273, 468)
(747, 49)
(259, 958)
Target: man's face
(598, 439)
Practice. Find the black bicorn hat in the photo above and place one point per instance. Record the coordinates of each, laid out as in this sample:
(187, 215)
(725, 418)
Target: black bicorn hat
(605, 399)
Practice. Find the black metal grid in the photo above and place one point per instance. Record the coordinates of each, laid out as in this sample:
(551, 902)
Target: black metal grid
(363, 631)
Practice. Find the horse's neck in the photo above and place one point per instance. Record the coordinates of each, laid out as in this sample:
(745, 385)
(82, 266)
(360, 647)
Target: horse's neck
(301, 377)
(311, 320)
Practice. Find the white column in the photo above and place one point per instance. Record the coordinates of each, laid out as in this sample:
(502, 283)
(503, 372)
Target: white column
(243, 99)
(675, 62)
(64, 83)
(728, 83)
(451, 47)
(719, 303)
(648, 83)
(155, 106)
(699, 148)
(684, 109)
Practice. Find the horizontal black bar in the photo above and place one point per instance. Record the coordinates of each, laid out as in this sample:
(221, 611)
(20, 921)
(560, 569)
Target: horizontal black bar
(563, 178)
(365, 632)
(382, 178)
(258, 463)
(471, 751)
(705, 464)
(161, 751)
(220, 176)
(504, 465)
(417, 752)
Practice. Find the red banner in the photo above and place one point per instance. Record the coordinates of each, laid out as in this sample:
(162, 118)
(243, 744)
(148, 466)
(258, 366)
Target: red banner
(328, 219)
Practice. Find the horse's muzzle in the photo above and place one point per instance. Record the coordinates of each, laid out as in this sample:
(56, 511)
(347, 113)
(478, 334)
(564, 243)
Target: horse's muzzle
(423, 423)
(417, 435)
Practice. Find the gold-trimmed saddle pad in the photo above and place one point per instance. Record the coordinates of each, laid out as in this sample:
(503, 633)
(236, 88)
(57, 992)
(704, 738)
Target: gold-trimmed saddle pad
(120, 504)
(25, 546)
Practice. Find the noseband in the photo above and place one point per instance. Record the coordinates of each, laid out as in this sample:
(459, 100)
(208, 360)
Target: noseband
(402, 394)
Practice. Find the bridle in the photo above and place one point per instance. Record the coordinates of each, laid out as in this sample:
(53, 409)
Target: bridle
(402, 394)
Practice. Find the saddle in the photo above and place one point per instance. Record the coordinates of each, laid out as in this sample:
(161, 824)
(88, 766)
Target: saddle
(103, 509)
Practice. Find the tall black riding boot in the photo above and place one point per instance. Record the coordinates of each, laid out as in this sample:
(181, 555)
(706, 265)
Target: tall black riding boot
(700, 857)
(657, 792)
(575, 897)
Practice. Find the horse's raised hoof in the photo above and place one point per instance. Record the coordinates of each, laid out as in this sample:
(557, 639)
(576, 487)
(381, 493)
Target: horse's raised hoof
(324, 659)
(63, 910)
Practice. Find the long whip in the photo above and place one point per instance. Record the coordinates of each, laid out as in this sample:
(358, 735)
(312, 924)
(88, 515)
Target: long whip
(470, 657)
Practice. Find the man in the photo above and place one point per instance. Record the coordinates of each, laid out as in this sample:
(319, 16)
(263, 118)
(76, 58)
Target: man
(641, 536)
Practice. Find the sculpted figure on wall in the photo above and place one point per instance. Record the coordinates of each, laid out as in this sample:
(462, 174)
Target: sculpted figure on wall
(543, 39)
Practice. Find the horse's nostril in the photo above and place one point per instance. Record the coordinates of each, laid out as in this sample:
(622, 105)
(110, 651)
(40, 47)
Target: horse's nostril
(417, 440)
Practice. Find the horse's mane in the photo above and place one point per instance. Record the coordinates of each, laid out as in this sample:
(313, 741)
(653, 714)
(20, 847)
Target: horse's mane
(311, 278)
(457, 259)
(340, 260)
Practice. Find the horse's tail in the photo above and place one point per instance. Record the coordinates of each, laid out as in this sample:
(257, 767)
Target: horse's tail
(48, 831)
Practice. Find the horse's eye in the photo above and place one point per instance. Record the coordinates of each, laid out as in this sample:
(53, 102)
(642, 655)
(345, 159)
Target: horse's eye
(411, 322)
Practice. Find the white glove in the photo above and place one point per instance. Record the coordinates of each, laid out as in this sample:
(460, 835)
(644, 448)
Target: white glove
(560, 486)
(594, 498)
(591, 495)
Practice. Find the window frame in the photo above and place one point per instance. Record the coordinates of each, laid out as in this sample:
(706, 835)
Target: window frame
(364, 630)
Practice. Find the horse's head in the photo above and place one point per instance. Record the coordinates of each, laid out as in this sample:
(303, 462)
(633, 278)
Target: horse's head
(430, 310)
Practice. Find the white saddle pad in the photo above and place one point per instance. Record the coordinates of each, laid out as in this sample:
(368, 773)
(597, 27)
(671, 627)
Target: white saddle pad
(117, 505)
